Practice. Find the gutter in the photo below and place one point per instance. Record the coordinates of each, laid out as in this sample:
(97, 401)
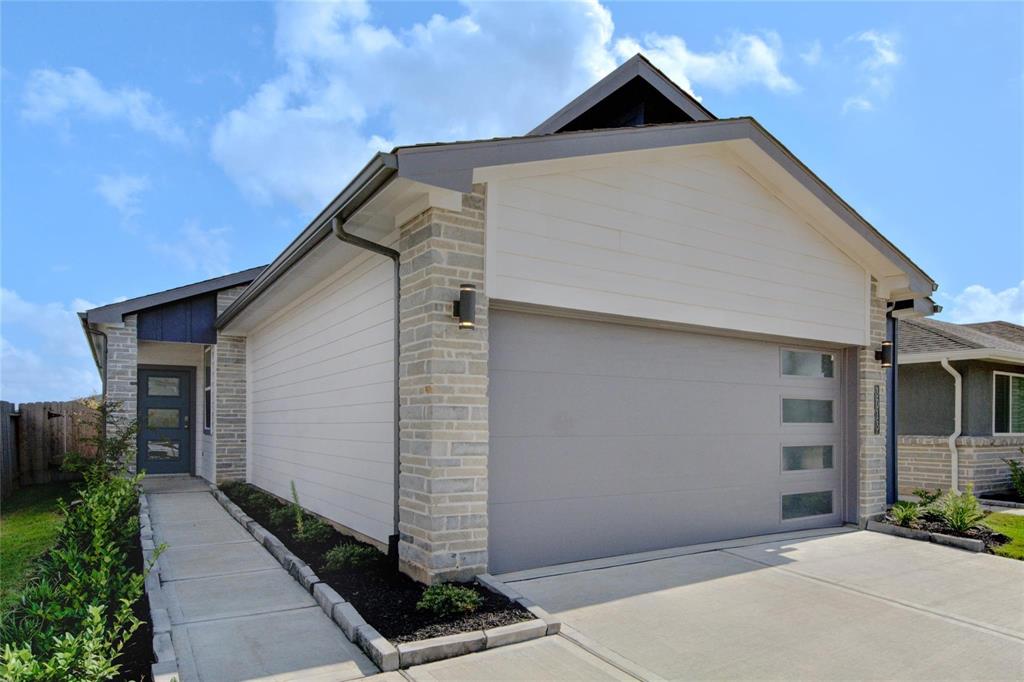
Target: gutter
(338, 227)
(101, 364)
(957, 425)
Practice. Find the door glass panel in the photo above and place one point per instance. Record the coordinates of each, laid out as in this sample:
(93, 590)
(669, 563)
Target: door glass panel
(803, 457)
(162, 449)
(163, 386)
(806, 411)
(1002, 403)
(162, 418)
(801, 363)
(1017, 404)
(806, 504)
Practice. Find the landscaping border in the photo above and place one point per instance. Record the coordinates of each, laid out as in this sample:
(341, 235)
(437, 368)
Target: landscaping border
(379, 649)
(1000, 503)
(166, 667)
(969, 544)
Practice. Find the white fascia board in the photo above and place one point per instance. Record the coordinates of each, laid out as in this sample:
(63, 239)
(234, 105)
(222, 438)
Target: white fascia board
(992, 354)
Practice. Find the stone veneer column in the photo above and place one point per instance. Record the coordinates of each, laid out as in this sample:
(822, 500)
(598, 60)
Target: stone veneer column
(122, 380)
(871, 469)
(229, 390)
(443, 397)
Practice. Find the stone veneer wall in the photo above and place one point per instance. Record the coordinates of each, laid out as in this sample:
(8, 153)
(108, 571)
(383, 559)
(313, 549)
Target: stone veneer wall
(229, 395)
(925, 462)
(122, 380)
(871, 468)
(443, 396)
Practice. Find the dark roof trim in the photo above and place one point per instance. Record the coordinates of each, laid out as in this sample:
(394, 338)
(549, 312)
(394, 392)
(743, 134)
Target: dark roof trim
(635, 66)
(116, 311)
(371, 178)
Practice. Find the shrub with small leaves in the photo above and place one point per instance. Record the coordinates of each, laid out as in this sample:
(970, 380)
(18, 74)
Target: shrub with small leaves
(449, 600)
(1016, 475)
(960, 512)
(349, 555)
(313, 530)
(282, 517)
(905, 513)
(927, 497)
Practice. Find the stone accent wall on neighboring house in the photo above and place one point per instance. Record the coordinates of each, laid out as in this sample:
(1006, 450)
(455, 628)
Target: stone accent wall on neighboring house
(122, 380)
(443, 396)
(871, 446)
(926, 462)
(229, 398)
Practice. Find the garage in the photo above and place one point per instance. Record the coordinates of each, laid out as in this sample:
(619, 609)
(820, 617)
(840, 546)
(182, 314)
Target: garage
(610, 439)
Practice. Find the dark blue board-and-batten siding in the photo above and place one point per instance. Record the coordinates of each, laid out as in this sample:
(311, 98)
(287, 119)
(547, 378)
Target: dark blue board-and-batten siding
(186, 321)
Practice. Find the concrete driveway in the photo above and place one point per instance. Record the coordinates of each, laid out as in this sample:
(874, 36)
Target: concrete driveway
(845, 605)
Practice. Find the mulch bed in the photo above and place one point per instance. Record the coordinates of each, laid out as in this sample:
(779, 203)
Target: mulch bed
(137, 656)
(933, 525)
(383, 596)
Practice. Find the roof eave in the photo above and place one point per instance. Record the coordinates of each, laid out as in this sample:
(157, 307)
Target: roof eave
(992, 354)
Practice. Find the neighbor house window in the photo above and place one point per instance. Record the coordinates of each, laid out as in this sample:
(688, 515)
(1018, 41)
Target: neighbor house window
(1008, 404)
(207, 389)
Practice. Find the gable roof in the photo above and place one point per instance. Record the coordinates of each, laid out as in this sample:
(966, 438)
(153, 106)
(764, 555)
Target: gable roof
(636, 68)
(927, 340)
(115, 312)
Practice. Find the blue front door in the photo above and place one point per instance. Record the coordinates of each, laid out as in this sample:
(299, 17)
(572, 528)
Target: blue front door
(165, 421)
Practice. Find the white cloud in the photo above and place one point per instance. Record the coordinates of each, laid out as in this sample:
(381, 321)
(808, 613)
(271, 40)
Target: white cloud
(50, 96)
(58, 365)
(978, 303)
(122, 192)
(199, 250)
(350, 87)
(812, 55)
(877, 68)
(745, 60)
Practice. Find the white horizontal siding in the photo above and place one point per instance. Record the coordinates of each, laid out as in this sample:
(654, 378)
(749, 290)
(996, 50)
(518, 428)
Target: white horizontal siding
(693, 239)
(322, 399)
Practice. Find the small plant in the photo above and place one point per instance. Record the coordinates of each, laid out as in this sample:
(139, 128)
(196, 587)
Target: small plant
(297, 510)
(449, 600)
(960, 512)
(926, 497)
(349, 554)
(905, 513)
(282, 517)
(1016, 474)
(313, 530)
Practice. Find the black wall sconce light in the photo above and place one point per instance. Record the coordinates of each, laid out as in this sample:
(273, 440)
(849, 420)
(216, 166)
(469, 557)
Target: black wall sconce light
(884, 354)
(465, 308)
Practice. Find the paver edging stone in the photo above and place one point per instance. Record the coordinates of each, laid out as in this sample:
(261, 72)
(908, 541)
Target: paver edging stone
(166, 667)
(1000, 503)
(378, 648)
(969, 544)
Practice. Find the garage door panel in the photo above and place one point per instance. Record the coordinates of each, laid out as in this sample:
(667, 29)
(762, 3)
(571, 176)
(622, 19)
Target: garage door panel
(547, 466)
(608, 439)
(559, 404)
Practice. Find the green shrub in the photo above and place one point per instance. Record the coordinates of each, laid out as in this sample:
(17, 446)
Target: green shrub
(313, 530)
(349, 554)
(282, 517)
(74, 619)
(1016, 475)
(960, 512)
(927, 498)
(905, 513)
(449, 600)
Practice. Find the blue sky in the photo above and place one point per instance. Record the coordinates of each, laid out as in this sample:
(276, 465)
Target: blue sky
(148, 145)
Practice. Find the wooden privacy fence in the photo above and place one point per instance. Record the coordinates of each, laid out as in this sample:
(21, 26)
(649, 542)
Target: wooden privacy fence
(37, 436)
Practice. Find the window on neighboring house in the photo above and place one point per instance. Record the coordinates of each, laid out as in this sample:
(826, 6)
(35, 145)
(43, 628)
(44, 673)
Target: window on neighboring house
(207, 389)
(1008, 404)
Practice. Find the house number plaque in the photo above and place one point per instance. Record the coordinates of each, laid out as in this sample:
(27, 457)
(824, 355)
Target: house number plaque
(878, 419)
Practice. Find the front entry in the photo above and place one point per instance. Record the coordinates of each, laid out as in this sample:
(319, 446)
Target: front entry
(165, 420)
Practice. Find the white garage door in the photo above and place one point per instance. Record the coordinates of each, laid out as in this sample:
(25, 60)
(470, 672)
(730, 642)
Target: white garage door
(609, 439)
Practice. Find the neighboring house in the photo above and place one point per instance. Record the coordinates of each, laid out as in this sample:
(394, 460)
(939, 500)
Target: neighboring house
(669, 333)
(961, 394)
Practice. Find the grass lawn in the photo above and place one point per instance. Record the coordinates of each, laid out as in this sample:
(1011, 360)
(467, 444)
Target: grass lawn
(1012, 526)
(28, 525)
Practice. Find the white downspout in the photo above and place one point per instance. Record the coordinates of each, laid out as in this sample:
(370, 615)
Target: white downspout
(957, 424)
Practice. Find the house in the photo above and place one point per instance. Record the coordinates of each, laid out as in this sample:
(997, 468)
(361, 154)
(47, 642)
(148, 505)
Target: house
(637, 326)
(961, 399)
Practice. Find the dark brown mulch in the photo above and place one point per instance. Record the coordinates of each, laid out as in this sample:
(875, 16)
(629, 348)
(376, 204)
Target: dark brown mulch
(933, 524)
(137, 656)
(383, 596)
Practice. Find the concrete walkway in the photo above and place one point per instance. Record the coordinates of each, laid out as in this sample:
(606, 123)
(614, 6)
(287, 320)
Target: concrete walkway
(235, 613)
